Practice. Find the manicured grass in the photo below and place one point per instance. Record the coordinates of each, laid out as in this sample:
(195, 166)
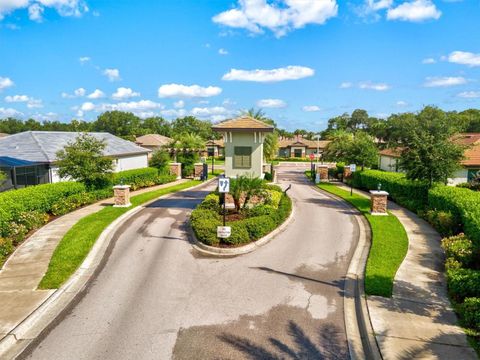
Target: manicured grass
(216, 161)
(78, 241)
(389, 243)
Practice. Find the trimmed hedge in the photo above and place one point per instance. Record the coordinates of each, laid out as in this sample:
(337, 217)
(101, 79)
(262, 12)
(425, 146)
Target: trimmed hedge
(137, 178)
(470, 311)
(463, 283)
(410, 194)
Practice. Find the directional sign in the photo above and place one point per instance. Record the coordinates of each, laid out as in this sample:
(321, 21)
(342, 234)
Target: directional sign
(223, 185)
(224, 232)
(353, 167)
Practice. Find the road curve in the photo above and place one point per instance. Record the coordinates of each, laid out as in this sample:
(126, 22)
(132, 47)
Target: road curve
(157, 298)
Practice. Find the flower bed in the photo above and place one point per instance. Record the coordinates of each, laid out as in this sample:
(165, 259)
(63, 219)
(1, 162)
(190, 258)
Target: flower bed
(253, 222)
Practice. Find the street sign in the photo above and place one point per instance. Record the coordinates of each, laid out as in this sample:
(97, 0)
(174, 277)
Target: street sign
(224, 232)
(312, 156)
(353, 167)
(223, 185)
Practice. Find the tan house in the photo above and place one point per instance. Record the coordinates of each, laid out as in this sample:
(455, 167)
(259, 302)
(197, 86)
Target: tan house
(153, 141)
(215, 148)
(243, 139)
(299, 147)
(470, 165)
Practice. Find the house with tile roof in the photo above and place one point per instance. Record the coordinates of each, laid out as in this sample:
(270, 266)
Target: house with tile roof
(300, 147)
(153, 141)
(243, 139)
(29, 158)
(470, 165)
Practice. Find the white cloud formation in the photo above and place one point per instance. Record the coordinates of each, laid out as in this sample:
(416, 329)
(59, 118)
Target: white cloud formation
(142, 108)
(87, 106)
(273, 75)
(271, 103)
(280, 16)
(97, 94)
(444, 81)
(214, 113)
(187, 91)
(37, 7)
(9, 112)
(374, 86)
(179, 104)
(222, 52)
(464, 58)
(469, 94)
(346, 85)
(402, 103)
(30, 101)
(84, 59)
(429, 61)
(415, 11)
(174, 112)
(5, 82)
(112, 74)
(76, 93)
(379, 5)
(124, 93)
(311, 108)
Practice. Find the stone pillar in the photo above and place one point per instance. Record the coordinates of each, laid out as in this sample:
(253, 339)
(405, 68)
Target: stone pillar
(176, 169)
(322, 170)
(379, 200)
(266, 168)
(198, 171)
(121, 195)
(347, 173)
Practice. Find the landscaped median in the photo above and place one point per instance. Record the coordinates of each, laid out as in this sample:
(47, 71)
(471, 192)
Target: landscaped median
(78, 241)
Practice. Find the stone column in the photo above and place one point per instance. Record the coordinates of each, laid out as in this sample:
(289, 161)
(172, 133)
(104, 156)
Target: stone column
(347, 173)
(198, 171)
(121, 195)
(322, 170)
(379, 200)
(176, 169)
(266, 168)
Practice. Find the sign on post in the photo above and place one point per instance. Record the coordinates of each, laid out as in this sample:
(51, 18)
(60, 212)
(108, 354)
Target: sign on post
(224, 232)
(312, 156)
(353, 167)
(223, 185)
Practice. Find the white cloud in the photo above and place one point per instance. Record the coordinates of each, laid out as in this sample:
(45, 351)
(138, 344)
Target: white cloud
(346, 85)
(112, 74)
(402, 103)
(50, 116)
(273, 75)
(215, 113)
(124, 93)
(374, 86)
(174, 112)
(379, 5)
(5, 82)
(141, 107)
(30, 101)
(415, 11)
(469, 94)
(280, 16)
(97, 94)
(35, 12)
(8, 6)
(187, 91)
(66, 7)
(464, 58)
(370, 8)
(9, 112)
(179, 104)
(444, 81)
(311, 108)
(271, 103)
(87, 106)
(84, 59)
(429, 61)
(222, 52)
(76, 93)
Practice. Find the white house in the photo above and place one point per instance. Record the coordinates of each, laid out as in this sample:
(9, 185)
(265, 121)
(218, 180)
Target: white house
(29, 157)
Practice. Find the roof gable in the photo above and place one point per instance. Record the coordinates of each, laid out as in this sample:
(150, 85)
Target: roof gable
(243, 123)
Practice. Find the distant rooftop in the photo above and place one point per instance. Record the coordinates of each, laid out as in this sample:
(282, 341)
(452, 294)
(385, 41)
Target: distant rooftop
(243, 123)
(42, 146)
(153, 140)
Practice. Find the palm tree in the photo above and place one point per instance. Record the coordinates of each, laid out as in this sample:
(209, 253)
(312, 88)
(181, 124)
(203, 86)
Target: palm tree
(270, 143)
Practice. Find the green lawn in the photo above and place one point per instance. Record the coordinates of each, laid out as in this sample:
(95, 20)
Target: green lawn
(77, 242)
(389, 243)
(216, 162)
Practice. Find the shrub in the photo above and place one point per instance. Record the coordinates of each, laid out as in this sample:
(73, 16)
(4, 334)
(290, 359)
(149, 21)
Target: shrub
(33, 219)
(211, 202)
(239, 234)
(268, 176)
(204, 223)
(73, 202)
(137, 178)
(17, 233)
(160, 160)
(470, 311)
(260, 210)
(463, 283)
(443, 221)
(259, 226)
(452, 264)
(273, 198)
(165, 178)
(284, 209)
(6, 248)
(460, 248)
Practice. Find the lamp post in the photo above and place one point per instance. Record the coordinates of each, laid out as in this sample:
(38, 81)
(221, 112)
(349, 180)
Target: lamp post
(213, 155)
(318, 146)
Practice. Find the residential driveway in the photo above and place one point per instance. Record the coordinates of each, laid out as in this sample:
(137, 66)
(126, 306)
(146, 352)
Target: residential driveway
(156, 298)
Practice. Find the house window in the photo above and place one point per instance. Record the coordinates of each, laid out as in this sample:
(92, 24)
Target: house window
(242, 157)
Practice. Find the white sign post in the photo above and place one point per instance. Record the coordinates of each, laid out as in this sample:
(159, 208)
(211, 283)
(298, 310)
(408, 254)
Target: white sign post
(353, 168)
(223, 185)
(224, 232)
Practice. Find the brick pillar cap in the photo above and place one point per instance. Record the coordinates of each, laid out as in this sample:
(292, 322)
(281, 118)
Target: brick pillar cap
(322, 165)
(200, 163)
(175, 163)
(378, 193)
(121, 187)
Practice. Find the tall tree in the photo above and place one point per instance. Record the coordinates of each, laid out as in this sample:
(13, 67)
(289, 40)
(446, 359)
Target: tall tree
(119, 123)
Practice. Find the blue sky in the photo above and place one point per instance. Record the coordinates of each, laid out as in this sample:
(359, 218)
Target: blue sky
(302, 61)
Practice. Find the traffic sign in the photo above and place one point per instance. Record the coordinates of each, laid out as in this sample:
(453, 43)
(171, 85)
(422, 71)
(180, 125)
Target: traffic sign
(353, 167)
(312, 156)
(224, 231)
(223, 185)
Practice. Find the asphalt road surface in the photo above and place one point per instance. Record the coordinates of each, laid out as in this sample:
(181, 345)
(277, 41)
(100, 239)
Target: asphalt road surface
(157, 298)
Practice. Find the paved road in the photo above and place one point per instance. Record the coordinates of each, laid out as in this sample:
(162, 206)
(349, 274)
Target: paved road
(157, 298)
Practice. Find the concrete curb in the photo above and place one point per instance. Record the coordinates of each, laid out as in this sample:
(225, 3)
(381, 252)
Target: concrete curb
(360, 335)
(29, 332)
(241, 250)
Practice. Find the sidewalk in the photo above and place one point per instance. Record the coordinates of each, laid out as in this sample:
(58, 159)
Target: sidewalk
(25, 268)
(417, 322)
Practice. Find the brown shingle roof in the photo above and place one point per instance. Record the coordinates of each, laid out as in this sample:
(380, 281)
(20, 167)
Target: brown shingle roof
(392, 152)
(243, 123)
(153, 140)
(215, 142)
